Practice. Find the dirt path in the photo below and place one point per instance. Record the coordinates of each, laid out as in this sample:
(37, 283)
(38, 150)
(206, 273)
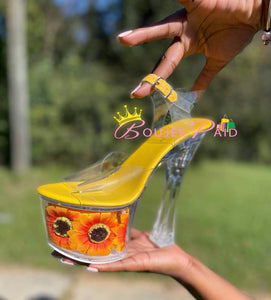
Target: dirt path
(17, 283)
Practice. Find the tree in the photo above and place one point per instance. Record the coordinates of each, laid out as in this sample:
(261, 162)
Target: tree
(18, 85)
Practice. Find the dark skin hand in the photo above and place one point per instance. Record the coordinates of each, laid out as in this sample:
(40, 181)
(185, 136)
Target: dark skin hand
(143, 255)
(220, 29)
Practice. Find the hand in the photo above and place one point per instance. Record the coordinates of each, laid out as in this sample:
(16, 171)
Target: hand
(143, 255)
(218, 28)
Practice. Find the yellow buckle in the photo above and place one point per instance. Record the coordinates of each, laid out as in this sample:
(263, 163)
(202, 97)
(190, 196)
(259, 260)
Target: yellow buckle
(160, 85)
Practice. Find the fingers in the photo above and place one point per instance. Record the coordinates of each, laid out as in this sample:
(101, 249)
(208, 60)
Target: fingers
(163, 68)
(172, 26)
(170, 59)
(65, 260)
(211, 68)
(69, 262)
(142, 90)
(56, 254)
(169, 27)
(130, 264)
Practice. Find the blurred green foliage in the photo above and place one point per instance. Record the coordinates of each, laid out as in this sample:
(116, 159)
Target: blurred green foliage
(80, 76)
(71, 115)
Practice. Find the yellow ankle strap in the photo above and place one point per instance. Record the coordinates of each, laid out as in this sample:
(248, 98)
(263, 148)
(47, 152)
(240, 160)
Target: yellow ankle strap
(160, 85)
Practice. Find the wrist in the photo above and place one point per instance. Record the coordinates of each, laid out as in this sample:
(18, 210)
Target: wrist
(203, 283)
(184, 267)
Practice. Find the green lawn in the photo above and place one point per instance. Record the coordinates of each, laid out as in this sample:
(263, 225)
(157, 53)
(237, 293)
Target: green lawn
(223, 218)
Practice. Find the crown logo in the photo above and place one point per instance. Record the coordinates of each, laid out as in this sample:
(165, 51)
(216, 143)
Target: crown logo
(128, 117)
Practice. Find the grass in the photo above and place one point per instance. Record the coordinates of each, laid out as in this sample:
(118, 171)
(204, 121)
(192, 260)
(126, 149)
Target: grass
(22, 239)
(223, 218)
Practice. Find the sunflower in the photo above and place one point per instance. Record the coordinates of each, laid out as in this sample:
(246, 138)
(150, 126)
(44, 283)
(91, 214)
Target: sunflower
(59, 222)
(121, 231)
(95, 233)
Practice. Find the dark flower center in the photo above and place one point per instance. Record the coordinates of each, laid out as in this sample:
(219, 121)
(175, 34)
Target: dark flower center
(61, 226)
(98, 233)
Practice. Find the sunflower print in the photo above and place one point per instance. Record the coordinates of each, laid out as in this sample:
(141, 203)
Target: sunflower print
(59, 221)
(120, 231)
(97, 233)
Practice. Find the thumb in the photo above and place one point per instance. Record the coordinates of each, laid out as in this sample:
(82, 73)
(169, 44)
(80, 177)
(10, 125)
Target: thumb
(210, 70)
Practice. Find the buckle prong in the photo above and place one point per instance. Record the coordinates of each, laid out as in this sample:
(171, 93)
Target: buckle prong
(156, 81)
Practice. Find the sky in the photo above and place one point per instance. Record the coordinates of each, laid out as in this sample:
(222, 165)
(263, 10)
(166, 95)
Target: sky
(107, 8)
(79, 7)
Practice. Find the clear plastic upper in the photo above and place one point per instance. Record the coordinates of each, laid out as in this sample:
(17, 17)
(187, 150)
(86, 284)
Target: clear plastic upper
(104, 174)
(103, 168)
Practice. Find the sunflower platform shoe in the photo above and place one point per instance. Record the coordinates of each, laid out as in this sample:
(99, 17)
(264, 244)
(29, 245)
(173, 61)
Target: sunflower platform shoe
(88, 216)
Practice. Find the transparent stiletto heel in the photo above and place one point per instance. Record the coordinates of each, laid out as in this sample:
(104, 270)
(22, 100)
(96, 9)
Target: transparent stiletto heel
(163, 231)
(176, 162)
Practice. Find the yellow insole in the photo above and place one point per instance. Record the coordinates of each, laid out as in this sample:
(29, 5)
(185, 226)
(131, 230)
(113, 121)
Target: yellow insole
(126, 184)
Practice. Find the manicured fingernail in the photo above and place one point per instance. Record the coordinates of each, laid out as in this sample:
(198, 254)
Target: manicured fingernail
(125, 33)
(134, 91)
(66, 262)
(94, 270)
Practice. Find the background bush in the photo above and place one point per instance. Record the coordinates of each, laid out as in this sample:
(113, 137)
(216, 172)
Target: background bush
(80, 76)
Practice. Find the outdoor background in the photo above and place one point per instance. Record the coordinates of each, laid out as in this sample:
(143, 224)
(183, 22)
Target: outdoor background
(79, 76)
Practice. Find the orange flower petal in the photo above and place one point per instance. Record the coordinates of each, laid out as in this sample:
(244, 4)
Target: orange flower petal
(50, 210)
(108, 218)
(52, 213)
(72, 215)
(120, 237)
(61, 211)
(124, 218)
(79, 236)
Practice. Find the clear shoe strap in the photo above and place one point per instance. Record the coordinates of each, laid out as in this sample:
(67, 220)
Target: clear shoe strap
(165, 112)
(176, 161)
